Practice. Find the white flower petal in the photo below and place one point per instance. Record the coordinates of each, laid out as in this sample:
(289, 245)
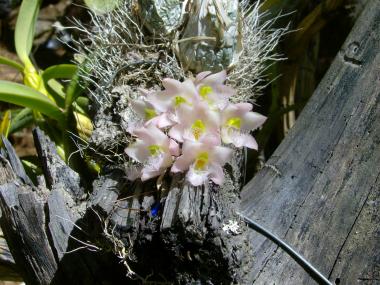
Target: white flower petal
(216, 174)
(138, 151)
(252, 121)
(221, 154)
(197, 178)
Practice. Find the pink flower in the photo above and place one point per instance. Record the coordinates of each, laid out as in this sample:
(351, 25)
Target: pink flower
(212, 90)
(147, 112)
(237, 122)
(203, 160)
(175, 95)
(150, 116)
(196, 123)
(154, 150)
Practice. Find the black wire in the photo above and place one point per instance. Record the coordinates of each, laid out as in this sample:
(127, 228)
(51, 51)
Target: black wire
(314, 273)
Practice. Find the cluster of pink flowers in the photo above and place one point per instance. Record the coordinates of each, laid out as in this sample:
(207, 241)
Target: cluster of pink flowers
(188, 126)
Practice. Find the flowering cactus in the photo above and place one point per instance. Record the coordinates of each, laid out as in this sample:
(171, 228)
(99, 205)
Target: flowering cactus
(184, 126)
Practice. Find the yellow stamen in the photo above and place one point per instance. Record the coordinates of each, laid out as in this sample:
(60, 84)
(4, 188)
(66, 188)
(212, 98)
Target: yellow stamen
(198, 129)
(201, 161)
(150, 113)
(234, 122)
(178, 100)
(204, 91)
(154, 149)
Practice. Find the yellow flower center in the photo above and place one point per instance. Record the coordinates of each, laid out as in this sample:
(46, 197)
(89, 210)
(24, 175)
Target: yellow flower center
(154, 149)
(178, 100)
(234, 122)
(204, 91)
(201, 161)
(198, 128)
(150, 113)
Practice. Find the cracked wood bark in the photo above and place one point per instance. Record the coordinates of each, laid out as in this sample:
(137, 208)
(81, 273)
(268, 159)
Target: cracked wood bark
(326, 201)
(8, 268)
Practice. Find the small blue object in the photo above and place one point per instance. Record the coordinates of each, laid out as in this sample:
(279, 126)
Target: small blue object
(155, 208)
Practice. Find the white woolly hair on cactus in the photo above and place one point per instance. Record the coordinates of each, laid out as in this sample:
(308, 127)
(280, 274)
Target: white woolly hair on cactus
(116, 38)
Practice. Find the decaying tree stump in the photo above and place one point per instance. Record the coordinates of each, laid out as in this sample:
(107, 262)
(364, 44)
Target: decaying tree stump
(319, 192)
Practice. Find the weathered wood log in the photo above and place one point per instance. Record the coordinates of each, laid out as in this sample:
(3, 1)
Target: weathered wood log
(320, 189)
(61, 233)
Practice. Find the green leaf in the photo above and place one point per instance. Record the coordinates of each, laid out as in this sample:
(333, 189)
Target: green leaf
(59, 71)
(56, 90)
(27, 97)
(5, 123)
(23, 119)
(11, 63)
(25, 28)
(75, 89)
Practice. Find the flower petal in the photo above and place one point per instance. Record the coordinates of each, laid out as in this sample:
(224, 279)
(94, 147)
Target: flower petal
(161, 121)
(201, 76)
(171, 84)
(146, 175)
(138, 151)
(139, 107)
(242, 108)
(182, 163)
(161, 100)
(173, 148)
(225, 135)
(221, 154)
(176, 132)
(240, 140)
(216, 78)
(133, 172)
(250, 142)
(216, 174)
(224, 91)
(252, 121)
(152, 135)
(189, 152)
(196, 178)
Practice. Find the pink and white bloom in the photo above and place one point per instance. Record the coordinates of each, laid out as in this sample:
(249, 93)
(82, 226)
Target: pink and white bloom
(212, 90)
(196, 123)
(176, 94)
(149, 115)
(203, 161)
(154, 150)
(237, 122)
